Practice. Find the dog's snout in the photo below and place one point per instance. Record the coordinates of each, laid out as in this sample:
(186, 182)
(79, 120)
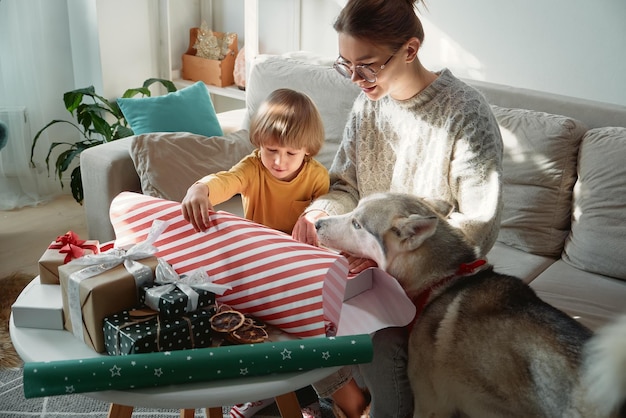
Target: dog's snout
(318, 224)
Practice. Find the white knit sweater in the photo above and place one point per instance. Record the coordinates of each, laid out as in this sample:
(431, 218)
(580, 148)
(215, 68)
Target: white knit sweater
(442, 143)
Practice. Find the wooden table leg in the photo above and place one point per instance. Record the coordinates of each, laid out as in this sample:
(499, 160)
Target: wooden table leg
(187, 413)
(120, 411)
(288, 405)
(215, 412)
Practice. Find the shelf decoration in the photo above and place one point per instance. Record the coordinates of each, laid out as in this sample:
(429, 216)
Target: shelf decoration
(210, 57)
(192, 366)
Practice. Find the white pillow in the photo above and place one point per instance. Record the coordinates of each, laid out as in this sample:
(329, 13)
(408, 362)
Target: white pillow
(332, 94)
(169, 162)
(539, 170)
(596, 243)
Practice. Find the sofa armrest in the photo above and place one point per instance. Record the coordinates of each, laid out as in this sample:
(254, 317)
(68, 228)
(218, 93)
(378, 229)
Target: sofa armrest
(106, 171)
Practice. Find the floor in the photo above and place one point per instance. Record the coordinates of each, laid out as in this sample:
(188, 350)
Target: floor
(26, 233)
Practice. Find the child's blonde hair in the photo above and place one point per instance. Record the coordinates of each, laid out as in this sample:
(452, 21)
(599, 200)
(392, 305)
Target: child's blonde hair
(288, 118)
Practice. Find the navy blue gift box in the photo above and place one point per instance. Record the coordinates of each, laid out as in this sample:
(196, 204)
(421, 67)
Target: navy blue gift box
(175, 302)
(143, 330)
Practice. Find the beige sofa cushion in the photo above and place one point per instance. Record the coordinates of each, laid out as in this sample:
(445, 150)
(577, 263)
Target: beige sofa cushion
(596, 243)
(592, 299)
(168, 163)
(539, 166)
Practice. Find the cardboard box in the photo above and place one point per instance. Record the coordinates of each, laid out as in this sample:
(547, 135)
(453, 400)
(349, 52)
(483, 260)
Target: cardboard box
(145, 331)
(39, 306)
(52, 258)
(214, 72)
(100, 296)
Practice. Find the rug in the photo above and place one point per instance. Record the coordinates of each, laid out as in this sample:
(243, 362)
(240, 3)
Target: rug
(12, 401)
(10, 287)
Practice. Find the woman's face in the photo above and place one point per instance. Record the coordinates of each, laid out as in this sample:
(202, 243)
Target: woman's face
(355, 52)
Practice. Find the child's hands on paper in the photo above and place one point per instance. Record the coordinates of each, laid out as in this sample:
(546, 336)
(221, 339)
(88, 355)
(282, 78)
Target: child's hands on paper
(196, 205)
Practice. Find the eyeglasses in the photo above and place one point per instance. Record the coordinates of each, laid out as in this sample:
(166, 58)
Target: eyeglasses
(364, 71)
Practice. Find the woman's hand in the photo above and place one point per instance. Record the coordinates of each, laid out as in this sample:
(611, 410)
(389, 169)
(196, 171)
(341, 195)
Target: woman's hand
(357, 264)
(196, 205)
(304, 229)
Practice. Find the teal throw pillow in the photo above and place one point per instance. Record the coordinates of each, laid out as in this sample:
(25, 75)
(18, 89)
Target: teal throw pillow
(186, 110)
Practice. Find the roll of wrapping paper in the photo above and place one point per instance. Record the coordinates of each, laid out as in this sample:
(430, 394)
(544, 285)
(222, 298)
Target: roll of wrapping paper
(192, 366)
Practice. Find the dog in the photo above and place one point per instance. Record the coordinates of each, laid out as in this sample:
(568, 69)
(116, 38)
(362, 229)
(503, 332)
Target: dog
(483, 344)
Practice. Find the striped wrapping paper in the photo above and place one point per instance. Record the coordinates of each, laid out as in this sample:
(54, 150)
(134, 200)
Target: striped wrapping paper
(296, 287)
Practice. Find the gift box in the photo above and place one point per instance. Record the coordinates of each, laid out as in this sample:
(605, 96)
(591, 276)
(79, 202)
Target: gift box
(99, 285)
(39, 306)
(97, 297)
(61, 251)
(192, 366)
(145, 331)
(173, 295)
(215, 72)
(303, 290)
(296, 287)
(169, 300)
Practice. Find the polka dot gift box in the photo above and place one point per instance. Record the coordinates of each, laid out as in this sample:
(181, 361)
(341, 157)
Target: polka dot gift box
(145, 331)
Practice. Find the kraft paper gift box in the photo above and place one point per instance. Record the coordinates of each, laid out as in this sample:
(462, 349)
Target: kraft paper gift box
(96, 286)
(98, 297)
(145, 331)
(39, 306)
(66, 248)
(295, 287)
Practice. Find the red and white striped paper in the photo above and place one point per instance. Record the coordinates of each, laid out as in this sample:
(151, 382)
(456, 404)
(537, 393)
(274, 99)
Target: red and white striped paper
(296, 287)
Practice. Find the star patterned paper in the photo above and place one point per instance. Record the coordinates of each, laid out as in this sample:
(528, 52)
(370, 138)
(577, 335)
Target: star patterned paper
(192, 366)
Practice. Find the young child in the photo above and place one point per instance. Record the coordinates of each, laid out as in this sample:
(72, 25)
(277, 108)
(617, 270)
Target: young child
(280, 178)
(277, 181)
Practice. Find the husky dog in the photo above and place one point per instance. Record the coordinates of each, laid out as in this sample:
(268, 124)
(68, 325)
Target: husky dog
(483, 344)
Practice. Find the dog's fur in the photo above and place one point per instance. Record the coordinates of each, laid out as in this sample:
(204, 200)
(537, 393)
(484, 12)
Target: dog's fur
(484, 345)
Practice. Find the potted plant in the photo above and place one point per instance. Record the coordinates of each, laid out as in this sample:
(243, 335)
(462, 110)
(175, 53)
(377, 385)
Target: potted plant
(98, 120)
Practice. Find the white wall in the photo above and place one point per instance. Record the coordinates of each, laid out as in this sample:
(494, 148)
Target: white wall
(570, 47)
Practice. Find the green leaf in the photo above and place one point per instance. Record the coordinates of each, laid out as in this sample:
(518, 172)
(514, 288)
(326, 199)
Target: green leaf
(76, 184)
(169, 85)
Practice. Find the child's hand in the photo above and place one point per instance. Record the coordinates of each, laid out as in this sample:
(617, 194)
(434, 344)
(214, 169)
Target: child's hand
(196, 205)
(304, 229)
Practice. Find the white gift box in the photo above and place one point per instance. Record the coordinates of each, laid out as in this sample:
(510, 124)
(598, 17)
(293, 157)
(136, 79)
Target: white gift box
(39, 306)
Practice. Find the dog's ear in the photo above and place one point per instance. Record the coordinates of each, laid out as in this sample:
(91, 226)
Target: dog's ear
(415, 229)
(442, 207)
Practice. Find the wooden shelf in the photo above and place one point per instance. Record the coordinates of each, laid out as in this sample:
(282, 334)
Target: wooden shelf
(229, 91)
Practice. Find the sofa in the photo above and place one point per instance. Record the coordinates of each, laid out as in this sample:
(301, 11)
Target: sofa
(563, 228)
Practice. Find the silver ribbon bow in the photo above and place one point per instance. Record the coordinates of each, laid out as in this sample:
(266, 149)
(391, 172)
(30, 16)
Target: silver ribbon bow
(168, 280)
(99, 263)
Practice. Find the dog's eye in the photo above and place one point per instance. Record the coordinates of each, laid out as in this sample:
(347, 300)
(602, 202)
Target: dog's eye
(355, 224)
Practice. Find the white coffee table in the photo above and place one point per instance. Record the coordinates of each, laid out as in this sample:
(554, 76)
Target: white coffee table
(34, 345)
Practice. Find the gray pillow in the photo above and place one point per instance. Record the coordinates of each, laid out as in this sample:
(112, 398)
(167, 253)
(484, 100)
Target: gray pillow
(596, 243)
(539, 170)
(169, 162)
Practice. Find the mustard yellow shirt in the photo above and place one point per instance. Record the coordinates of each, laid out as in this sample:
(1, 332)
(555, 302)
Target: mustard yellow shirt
(267, 200)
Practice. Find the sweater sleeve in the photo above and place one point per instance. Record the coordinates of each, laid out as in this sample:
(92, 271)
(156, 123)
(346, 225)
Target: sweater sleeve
(226, 184)
(343, 195)
(476, 183)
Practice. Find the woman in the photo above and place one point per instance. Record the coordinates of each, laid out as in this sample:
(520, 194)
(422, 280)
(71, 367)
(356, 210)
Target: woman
(411, 130)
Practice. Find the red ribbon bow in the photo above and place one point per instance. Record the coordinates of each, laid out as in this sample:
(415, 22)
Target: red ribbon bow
(72, 246)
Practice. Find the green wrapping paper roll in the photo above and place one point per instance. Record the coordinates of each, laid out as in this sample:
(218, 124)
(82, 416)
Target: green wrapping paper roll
(192, 366)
